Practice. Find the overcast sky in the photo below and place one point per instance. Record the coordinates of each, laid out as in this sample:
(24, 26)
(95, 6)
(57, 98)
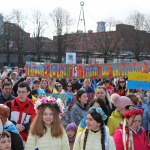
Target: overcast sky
(94, 10)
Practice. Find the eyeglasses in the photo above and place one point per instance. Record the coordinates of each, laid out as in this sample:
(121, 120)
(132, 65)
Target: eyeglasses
(121, 81)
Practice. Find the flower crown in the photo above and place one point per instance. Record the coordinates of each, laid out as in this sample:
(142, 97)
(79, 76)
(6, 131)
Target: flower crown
(133, 112)
(99, 111)
(58, 104)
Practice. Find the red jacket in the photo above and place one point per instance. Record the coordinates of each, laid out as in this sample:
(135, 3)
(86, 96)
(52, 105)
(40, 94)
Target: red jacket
(140, 139)
(21, 113)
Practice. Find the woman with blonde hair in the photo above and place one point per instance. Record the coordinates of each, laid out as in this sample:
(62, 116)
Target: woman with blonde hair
(46, 130)
(46, 86)
(101, 92)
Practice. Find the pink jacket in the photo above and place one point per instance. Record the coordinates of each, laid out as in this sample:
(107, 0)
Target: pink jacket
(140, 139)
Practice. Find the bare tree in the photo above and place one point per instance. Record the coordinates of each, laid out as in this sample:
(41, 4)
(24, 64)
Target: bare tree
(6, 37)
(105, 43)
(147, 24)
(111, 23)
(18, 33)
(39, 23)
(62, 21)
(137, 20)
(135, 37)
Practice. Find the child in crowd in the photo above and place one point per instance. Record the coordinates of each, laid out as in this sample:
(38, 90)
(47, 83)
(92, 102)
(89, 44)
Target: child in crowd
(71, 130)
(5, 141)
(96, 135)
(47, 132)
(130, 135)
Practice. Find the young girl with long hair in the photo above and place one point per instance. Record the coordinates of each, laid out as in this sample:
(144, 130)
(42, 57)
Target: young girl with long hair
(46, 130)
(96, 135)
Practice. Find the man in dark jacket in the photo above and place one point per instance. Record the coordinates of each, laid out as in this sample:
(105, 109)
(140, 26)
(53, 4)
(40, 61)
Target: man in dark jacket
(6, 95)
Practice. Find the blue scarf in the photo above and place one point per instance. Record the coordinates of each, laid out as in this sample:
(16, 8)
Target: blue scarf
(9, 126)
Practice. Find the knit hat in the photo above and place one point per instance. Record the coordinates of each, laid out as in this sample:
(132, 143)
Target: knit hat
(120, 102)
(71, 126)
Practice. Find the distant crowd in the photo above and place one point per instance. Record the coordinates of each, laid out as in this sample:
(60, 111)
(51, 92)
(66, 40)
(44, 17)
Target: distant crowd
(101, 114)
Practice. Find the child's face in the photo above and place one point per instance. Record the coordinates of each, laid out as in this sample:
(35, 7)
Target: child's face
(70, 133)
(5, 143)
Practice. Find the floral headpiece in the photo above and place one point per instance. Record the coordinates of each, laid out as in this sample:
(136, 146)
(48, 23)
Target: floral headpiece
(135, 111)
(99, 111)
(58, 104)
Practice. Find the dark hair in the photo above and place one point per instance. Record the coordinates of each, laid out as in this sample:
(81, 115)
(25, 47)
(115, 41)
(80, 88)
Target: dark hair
(97, 117)
(34, 92)
(7, 79)
(134, 99)
(80, 92)
(24, 85)
(6, 83)
(5, 134)
(118, 83)
(101, 104)
(36, 82)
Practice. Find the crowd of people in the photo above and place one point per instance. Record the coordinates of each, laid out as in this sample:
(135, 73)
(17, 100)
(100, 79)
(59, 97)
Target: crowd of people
(102, 114)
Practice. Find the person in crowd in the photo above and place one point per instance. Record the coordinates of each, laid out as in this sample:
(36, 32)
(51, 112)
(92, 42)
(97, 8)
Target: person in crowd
(45, 85)
(121, 103)
(36, 85)
(34, 94)
(87, 86)
(52, 82)
(46, 131)
(76, 84)
(137, 102)
(14, 77)
(5, 141)
(130, 135)
(96, 103)
(108, 86)
(69, 88)
(6, 94)
(29, 82)
(71, 130)
(101, 92)
(96, 135)
(80, 107)
(4, 72)
(121, 87)
(15, 86)
(17, 143)
(60, 88)
(22, 110)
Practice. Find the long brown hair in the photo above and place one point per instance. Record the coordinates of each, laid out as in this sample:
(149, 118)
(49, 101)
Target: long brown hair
(38, 127)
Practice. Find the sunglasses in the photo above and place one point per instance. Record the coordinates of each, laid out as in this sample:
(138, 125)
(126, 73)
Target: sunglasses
(121, 81)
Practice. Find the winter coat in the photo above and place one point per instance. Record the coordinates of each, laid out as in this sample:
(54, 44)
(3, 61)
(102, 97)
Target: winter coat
(113, 121)
(47, 142)
(76, 112)
(140, 140)
(21, 113)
